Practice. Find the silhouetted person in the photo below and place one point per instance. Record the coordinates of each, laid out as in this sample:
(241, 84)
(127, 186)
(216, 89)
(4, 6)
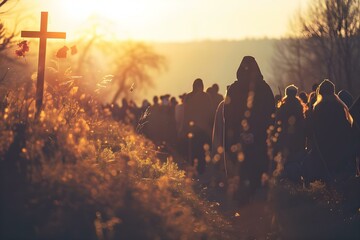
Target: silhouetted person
(144, 105)
(134, 113)
(290, 127)
(314, 87)
(346, 97)
(218, 130)
(217, 167)
(143, 117)
(355, 113)
(334, 150)
(277, 98)
(197, 123)
(312, 97)
(154, 125)
(181, 138)
(123, 112)
(217, 97)
(304, 97)
(173, 102)
(115, 110)
(167, 121)
(179, 114)
(249, 104)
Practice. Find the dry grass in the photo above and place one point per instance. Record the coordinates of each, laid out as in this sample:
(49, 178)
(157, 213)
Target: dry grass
(75, 173)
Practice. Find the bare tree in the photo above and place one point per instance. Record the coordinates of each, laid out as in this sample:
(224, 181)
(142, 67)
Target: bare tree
(2, 3)
(327, 44)
(288, 61)
(134, 66)
(5, 39)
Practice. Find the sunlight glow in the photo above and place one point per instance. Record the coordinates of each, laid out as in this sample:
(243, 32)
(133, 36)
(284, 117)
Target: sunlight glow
(171, 20)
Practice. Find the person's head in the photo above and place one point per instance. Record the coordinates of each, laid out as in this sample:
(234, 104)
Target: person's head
(145, 103)
(165, 99)
(249, 70)
(182, 97)
(173, 101)
(215, 87)
(155, 100)
(291, 91)
(124, 102)
(277, 98)
(326, 88)
(198, 85)
(314, 87)
(303, 96)
(346, 97)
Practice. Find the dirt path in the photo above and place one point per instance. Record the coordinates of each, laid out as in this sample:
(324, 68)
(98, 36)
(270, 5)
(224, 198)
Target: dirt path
(249, 221)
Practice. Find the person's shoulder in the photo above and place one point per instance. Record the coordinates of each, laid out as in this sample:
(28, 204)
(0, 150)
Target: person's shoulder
(264, 84)
(232, 87)
(265, 88)
(188, 96)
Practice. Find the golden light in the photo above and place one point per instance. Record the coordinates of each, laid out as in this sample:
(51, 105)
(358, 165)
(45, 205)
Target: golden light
(121, 11)
(123, 16)
(164, 20)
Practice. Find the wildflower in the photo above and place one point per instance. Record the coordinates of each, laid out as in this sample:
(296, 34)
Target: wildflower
(74, 90)
(23, 48)
(42, 116)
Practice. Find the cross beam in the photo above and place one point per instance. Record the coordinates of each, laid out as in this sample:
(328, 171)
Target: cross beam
(43, 35)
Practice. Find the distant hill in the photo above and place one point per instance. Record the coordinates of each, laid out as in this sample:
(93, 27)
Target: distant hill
(213, 61)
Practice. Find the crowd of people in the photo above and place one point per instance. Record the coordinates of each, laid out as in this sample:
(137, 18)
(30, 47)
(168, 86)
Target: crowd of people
(250, 131)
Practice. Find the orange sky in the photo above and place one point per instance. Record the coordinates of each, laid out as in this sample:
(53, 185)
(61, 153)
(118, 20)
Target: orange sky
(165, 20)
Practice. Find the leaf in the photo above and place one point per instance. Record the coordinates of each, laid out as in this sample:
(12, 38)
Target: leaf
(73, 50)
(62, 52)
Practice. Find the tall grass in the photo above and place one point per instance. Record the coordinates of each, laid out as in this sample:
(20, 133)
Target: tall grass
(75, 173)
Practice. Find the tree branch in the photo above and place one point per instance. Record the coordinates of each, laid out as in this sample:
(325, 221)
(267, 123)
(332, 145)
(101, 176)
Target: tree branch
(3, 2)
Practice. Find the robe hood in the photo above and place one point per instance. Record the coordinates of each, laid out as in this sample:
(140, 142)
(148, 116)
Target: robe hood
(249, 70)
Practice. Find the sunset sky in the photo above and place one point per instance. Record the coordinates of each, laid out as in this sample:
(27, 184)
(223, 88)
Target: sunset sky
(167, 20)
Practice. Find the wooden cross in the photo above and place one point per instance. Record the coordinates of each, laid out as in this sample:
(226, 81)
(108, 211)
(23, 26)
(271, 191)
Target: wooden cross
(43, 34)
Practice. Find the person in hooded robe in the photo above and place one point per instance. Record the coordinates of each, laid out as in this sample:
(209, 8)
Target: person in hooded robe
(346, 97)
(355, 113)
(248, 109)
(290, 132)
(197, 126)
(334, 152)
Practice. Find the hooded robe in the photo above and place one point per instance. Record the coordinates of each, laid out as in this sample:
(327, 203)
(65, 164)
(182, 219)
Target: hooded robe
(248, 109)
